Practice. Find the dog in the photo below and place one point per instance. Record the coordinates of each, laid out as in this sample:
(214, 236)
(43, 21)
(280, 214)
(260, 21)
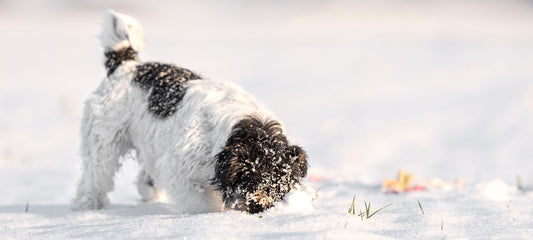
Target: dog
(208, 144)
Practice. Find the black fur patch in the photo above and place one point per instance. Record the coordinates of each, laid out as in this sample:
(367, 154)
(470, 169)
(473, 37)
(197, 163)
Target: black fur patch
(257, 166)
(166, 84)
(115, 58)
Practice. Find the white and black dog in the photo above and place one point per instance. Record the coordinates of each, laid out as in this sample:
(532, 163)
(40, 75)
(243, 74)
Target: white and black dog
(208, 143)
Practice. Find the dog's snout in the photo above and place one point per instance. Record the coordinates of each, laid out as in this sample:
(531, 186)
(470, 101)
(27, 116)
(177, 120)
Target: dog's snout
(259, 201)
(254, 207)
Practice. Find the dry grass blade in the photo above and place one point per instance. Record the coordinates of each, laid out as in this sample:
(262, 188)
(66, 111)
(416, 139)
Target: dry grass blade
(519, 183)
(420, 205)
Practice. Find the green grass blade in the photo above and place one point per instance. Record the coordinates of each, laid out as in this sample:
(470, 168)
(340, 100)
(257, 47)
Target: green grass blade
(367, 208)
(379, 210)
(352, 207)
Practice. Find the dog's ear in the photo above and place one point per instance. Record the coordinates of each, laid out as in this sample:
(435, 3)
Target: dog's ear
(298, 160)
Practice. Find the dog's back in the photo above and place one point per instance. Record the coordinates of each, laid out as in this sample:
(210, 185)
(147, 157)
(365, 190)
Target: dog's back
(189, 140)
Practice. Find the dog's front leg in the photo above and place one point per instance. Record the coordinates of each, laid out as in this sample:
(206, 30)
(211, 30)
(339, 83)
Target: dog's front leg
(102, 146)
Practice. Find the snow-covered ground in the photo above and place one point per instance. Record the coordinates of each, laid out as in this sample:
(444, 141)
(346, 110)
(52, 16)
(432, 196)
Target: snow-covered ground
(443, 89)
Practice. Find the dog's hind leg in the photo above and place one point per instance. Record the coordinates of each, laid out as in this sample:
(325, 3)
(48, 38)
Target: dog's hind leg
(149, 189)
(146, 186)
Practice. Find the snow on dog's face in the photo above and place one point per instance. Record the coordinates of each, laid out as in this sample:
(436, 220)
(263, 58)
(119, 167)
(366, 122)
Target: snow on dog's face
(258, 166)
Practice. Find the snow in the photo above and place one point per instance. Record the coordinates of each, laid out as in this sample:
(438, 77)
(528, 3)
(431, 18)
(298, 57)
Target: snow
(441, 89)
(297, 200)
(496, 190)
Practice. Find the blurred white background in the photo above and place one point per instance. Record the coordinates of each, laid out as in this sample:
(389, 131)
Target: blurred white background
(440, 88)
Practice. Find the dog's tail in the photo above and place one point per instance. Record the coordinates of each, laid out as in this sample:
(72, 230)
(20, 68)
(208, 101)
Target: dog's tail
(120, 32)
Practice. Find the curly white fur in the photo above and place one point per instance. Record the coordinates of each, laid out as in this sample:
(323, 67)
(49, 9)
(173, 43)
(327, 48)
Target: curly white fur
(177, 152)
(121, 31)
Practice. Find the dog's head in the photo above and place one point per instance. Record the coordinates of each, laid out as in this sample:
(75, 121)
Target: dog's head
(258, 166)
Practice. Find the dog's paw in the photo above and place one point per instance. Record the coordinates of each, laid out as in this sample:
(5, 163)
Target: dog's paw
(88, 202)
